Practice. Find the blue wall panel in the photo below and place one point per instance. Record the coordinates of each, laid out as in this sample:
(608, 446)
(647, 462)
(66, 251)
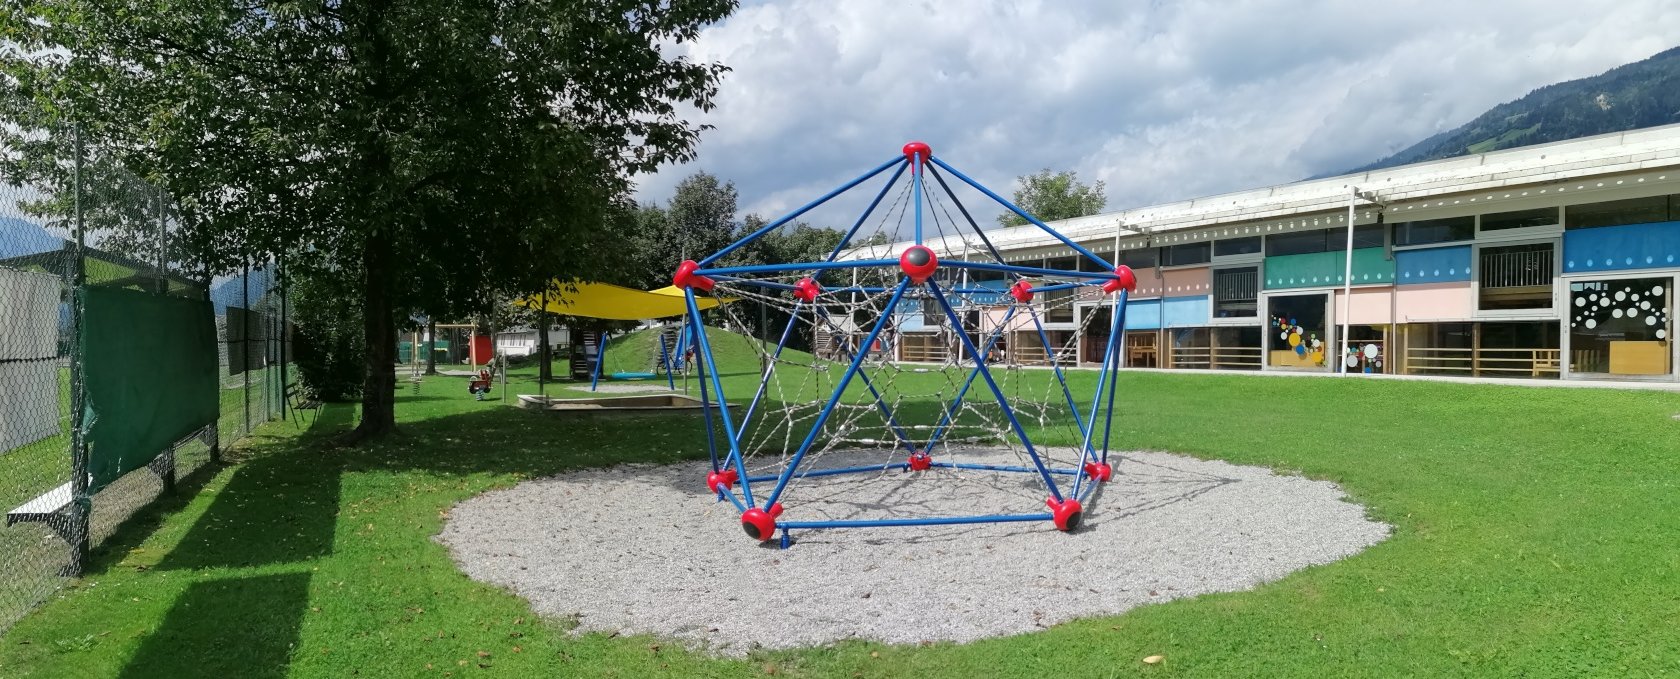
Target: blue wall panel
(1615, 248)
(1177, 312)
(1435, 265)
(1143, 314)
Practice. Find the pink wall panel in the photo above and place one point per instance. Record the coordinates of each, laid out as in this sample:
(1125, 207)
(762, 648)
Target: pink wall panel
(1371, 306)
(1433, 302)
(1175, 282)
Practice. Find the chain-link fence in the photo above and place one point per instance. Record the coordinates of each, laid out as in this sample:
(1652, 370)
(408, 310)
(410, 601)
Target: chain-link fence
(107, 347)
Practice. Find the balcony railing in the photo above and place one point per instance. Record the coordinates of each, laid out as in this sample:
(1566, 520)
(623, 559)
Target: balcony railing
(1516, 268)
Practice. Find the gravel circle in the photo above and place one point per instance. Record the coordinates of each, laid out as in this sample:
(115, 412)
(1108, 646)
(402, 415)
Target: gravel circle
(644, 549)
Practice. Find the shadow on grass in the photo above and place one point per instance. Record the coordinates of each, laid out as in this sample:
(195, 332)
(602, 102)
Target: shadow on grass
(234, 627)
(271, 511)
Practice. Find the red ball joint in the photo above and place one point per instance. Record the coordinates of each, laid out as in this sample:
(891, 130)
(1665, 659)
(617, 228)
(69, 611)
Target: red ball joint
(1123, 279)
(1099, 471)
(720, 481)
(1066, 514)
(685, 277)
(917, 152)
(1022, 291)
(920, 462)
(760, 524)
(806, 290)
(918, 262)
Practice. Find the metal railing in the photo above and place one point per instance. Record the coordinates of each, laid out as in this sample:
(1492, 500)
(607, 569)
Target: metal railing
(1516, 268)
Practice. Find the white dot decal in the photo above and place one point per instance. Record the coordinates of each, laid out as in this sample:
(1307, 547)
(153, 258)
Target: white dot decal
(1621, 295)
(1661, 333)
(1580, 301)
(1592, 323)
(1650, 320)
(1617, 313)
(1633, 313)
(1645, 304)
(1657, 291)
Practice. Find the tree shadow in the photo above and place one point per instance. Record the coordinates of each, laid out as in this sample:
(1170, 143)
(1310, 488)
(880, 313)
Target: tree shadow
(233, 627)
(280, 506)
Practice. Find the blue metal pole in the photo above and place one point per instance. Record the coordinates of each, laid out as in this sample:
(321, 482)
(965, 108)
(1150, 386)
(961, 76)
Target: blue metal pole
(1003, 468)
(838, 247)
(932, 521)
(705, 347)
(1020, 432)
(770, 367)
(1026, 270)
(728, 493)
(839, 390)
(792, 215)
(791, 268)
(964, 210)
(600, 357)
(838, 471)
(1114, 348)
(916, 179)
(1103, 381)
(665, 360)
(950, 413)
(1056, 367)
(1023, 213)
(705, 399)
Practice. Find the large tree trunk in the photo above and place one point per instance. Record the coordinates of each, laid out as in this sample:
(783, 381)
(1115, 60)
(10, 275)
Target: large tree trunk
(380, 334)
(545, 373)
(431, 353)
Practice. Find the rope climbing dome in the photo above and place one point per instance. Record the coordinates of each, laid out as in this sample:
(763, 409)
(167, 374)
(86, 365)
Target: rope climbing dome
(850, 395)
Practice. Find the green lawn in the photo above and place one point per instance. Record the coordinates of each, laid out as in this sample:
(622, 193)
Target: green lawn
(1535, 535)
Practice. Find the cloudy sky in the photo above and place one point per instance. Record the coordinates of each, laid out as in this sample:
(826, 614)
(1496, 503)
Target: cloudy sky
(1162, 100)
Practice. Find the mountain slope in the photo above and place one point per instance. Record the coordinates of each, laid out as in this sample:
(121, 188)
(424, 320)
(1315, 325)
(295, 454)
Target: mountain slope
(1641, 94)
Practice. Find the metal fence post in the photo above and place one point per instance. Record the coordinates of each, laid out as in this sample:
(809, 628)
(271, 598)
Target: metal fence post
(82, 501)
(245, 339)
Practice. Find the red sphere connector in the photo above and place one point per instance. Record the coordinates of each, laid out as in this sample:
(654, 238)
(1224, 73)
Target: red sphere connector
(917, 152)
(1099, 471)
(920, 462)
(720, 481)
(1123, 279)
(918, 262)
(1066, 514)
(685, 277)
(806, 290)
(759, 524)
(1022, 291)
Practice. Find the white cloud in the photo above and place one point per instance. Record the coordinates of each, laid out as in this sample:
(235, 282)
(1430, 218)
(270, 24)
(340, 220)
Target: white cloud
(1165, 102)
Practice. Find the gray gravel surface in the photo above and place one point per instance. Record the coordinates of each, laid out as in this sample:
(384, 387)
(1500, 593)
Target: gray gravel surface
(644, 549)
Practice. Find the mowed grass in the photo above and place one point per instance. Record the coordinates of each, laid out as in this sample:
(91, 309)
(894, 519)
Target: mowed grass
(1534, 536)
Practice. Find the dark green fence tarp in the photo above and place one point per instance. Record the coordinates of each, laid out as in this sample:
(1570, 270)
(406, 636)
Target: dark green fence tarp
(149, 376)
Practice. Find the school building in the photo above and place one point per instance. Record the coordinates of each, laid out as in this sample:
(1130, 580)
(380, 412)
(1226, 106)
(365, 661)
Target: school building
(1555, 261)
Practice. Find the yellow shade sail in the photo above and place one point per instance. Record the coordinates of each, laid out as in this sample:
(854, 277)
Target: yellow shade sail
(613, 302)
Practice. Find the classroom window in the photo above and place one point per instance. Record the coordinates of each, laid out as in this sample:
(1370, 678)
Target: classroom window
(1428, 231)
(1620, 212)
(1140, 258)
(1235, 292)
(1187, 254)
(1236, 246)
(1520, 219)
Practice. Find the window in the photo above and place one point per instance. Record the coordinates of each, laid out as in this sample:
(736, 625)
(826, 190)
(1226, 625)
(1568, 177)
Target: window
(1516, 277)
(1619, 327)
(1087, 264)
(1429, 231)
(1295, 332)
(1236, 246)
(1328, 240)
(1520, 219)
(1140, 258)
(1188, 253)
(1234, 292)
(1062, 263)
(1298, 243)
(1620, 212)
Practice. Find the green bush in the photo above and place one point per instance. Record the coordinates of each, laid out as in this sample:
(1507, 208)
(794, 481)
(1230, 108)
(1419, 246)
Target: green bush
(330, 355)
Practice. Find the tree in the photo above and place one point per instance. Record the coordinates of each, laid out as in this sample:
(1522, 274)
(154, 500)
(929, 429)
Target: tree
(434, 154)
(1052, 196)
(699, 220)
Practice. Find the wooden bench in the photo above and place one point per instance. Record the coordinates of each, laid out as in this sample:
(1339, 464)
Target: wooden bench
(300, 401)
(48, 508)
